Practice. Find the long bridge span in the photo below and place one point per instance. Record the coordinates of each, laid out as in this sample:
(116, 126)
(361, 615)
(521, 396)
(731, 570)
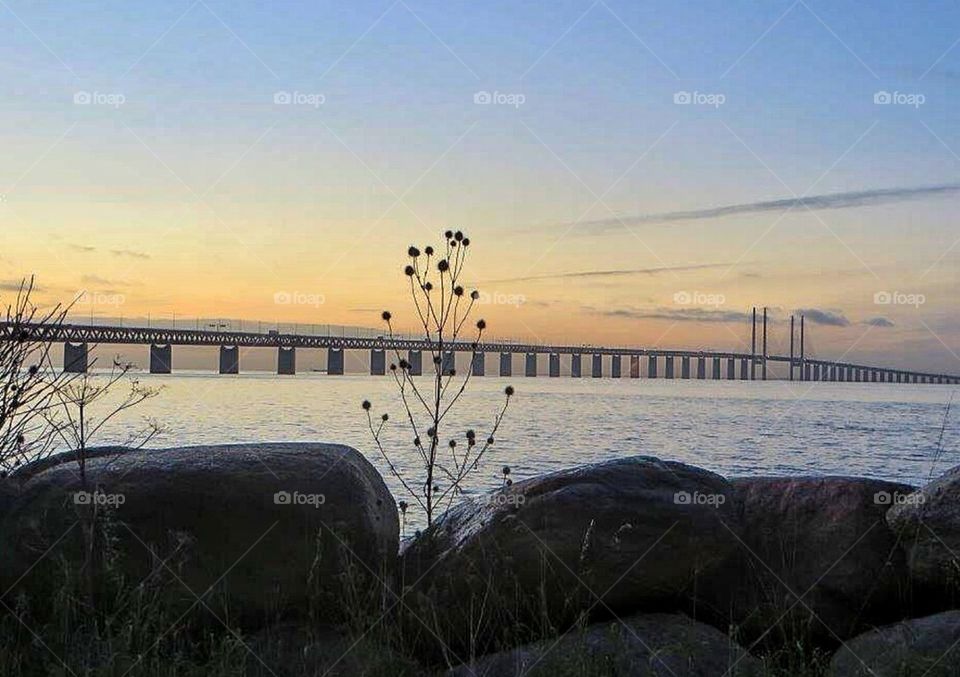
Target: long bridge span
(603, 361)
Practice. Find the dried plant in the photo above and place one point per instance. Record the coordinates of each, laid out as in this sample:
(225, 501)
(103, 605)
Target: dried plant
(29, 382)
(443, 309)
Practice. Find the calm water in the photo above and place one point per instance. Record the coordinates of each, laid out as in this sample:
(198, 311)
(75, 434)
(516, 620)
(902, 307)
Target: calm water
(878, 430)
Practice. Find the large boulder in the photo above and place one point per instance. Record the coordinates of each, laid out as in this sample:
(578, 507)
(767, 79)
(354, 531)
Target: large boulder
(251, 529)
(928, 524)
(648, 645)
(928, 646)
(817, 560)
(616, 537)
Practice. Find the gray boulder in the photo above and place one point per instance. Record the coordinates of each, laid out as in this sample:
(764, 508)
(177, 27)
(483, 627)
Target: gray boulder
(927, 646)
(648, 645)
(817, 560)
(252, 529)
(616, 537)
(928, 524)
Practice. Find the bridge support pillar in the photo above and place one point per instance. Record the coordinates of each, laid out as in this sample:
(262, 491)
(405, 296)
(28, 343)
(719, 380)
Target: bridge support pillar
(530, 368)
(744, 369)
(576, 366)
(286, 361)
(75, 358)
(378, 362)
(651, 366)
(597, 366)
(731, 369)
(335, 361)
(506, 364)
(161, 358)
(668, 366)
(449, 365)
(716, 369)
(554, 365)
(615, 366)
(701, 367)
(634, 366)
(415, 358)
(229, 360)
(478, 364)
(685, 367)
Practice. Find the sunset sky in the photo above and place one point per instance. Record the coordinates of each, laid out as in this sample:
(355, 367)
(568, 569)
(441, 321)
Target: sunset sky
(629, 173)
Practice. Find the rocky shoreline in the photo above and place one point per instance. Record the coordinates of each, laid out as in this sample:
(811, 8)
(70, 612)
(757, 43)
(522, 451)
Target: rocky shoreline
(634, 566)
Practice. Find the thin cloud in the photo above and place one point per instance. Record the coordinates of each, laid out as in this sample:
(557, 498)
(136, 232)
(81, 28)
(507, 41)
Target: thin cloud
(824, 317)
(847, 200)
(83, 248)
(673, 314)
(879, 322)
(130, 253)
(613, 273)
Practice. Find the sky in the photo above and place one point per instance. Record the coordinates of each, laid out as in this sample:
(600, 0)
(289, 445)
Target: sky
(629, 173)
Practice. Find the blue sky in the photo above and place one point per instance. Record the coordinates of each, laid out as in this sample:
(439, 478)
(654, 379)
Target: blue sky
(227, 196)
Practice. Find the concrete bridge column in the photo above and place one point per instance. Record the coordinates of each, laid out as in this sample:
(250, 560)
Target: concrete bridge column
(506, 364)
(335, 361)
(75, 358)
(615, 366)
(415, 358)
(531, 364)
(286, 360)
(161, 358)
(668, 366)
(378, 362)
(744, 369)
(731, 369)
(701, 367)
(449, 365)
(478, 364)
(685, 367)
(229, 360)
(554, 365)
(899, 377)
(716, 369)
(576, 365)
(652, 366)
(634, 366)
(597, 366)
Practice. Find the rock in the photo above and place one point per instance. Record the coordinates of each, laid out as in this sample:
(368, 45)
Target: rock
(616, 537)
(254, 529)
(649, 645)
(817, 560)
(928, 524)
(928, 646)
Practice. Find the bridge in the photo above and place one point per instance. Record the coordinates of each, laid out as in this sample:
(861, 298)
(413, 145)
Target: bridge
(649, 362)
